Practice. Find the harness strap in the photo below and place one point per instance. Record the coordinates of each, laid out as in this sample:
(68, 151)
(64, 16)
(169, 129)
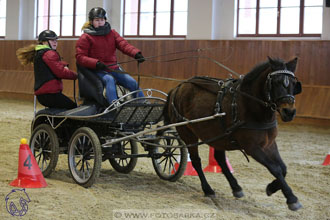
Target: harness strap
(259, 126)
(176, 112)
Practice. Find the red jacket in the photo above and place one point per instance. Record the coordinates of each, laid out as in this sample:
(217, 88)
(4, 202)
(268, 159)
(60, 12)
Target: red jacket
(93, 48)
(53, 61)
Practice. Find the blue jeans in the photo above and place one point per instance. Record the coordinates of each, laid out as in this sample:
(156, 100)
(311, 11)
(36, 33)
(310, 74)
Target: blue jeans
(109, 80)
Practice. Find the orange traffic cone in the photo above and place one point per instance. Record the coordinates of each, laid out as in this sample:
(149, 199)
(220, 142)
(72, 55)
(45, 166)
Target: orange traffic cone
(213, 166)
(29, 174)
(326, 160)
(190, 170)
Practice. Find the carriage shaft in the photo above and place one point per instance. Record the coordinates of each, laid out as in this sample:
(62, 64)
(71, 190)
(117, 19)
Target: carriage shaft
(117, 140)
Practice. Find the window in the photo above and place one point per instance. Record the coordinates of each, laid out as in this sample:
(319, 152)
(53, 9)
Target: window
(3, 18)
(155, 18)
(277, 18)
(64, 17)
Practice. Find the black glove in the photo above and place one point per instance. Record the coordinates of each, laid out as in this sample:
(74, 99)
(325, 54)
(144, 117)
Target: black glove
(139, 57)
(101, 66)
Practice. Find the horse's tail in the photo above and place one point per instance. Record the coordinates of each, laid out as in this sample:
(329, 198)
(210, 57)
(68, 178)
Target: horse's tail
(166, 114)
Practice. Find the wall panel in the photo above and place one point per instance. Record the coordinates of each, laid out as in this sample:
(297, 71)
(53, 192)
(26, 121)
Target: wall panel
(239, 55)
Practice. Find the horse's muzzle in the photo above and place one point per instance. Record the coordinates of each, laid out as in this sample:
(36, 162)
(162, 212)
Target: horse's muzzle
(287, 114)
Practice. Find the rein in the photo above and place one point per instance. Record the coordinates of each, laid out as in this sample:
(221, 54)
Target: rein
(173, 53)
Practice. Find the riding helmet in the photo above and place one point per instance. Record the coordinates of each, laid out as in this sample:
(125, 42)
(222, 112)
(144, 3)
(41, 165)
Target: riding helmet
(47, 35)
(97, 12)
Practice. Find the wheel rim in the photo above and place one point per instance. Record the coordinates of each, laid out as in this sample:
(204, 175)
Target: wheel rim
(82, 158)
(41, 147)
(169, 161)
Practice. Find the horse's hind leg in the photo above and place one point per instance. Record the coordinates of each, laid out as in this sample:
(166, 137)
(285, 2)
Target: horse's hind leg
(196, 162)
(220, 157)
(189, 138)
(275, 168)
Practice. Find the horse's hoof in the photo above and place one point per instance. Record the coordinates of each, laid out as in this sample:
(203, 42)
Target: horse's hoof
(268, 191)
(238, 194)
(295, 206)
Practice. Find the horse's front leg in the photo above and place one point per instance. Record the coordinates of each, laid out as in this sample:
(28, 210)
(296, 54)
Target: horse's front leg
(274, 167)
(274, 186)
(196, 162)
(220, 157)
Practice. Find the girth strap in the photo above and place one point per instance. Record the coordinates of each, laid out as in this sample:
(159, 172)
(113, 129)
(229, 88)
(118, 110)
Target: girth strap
(259, 126)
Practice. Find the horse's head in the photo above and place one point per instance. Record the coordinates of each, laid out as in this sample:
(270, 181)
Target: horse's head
(282, 86)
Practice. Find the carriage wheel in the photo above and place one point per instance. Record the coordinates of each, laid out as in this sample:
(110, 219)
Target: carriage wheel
(170, 163)
(124, 165)
(45, 148)
(84, 156)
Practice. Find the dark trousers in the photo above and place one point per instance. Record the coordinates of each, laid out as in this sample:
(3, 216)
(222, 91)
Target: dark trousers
(56, 100)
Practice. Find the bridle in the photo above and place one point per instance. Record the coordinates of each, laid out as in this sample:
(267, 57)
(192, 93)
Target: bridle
(270, 101)
(286, 82)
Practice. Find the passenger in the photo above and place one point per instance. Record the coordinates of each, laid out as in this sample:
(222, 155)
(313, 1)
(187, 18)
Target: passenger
(49, 71)
(96, 50)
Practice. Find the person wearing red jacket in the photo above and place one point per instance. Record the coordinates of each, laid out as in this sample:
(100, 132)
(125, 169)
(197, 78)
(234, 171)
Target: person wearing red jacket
(96, 50)
(49, 71)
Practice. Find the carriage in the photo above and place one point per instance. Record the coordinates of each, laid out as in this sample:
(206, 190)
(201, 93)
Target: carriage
(95, 132)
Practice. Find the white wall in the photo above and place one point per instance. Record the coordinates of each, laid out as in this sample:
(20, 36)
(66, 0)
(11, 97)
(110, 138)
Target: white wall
(12, 19)
(223, 20)
(199, 19)
(114, 10)
(26, 28)
(326, 24)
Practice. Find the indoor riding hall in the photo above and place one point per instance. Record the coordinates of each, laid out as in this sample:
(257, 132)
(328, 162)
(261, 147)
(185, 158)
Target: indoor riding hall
(179, 39)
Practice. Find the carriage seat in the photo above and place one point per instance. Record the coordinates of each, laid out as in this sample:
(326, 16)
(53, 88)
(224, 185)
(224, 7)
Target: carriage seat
(90, 87)
(83, 110)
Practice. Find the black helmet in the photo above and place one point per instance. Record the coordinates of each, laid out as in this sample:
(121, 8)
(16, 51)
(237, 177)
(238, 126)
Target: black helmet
(47, 35)
(97, 12)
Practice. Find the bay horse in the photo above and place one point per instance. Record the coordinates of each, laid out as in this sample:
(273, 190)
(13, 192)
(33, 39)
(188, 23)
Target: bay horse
(250, 104)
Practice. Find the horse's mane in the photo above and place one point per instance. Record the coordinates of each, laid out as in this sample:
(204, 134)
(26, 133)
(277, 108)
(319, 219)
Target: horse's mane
(258, 69)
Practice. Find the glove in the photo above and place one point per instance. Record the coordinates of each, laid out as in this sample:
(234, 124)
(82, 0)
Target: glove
(139, 57)
(101, 66)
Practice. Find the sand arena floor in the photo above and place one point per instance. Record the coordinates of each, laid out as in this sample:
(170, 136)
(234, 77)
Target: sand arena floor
(303, 149)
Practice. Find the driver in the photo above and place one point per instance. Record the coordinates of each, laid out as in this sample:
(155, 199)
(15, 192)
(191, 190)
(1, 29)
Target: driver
(49, 71)
(96, 50)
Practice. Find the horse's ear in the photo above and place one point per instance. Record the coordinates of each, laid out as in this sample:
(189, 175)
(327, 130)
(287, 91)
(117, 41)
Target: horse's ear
(271, 61)
(291, 65)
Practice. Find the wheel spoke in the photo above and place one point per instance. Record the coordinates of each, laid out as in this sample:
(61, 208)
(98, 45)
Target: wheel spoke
(76, 148)
(39, 158)
(43, 162)
(161, 161)
(77, 164)
(38, 155)
(170, 166)
(166, 159)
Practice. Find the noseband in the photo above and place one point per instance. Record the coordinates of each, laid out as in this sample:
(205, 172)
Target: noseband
(286, 82)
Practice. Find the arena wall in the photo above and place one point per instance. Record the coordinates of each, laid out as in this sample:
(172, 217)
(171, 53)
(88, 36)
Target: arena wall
(239, 55)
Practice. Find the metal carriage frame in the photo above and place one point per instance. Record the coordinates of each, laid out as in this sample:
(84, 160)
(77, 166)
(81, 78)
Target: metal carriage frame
(110, 134)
